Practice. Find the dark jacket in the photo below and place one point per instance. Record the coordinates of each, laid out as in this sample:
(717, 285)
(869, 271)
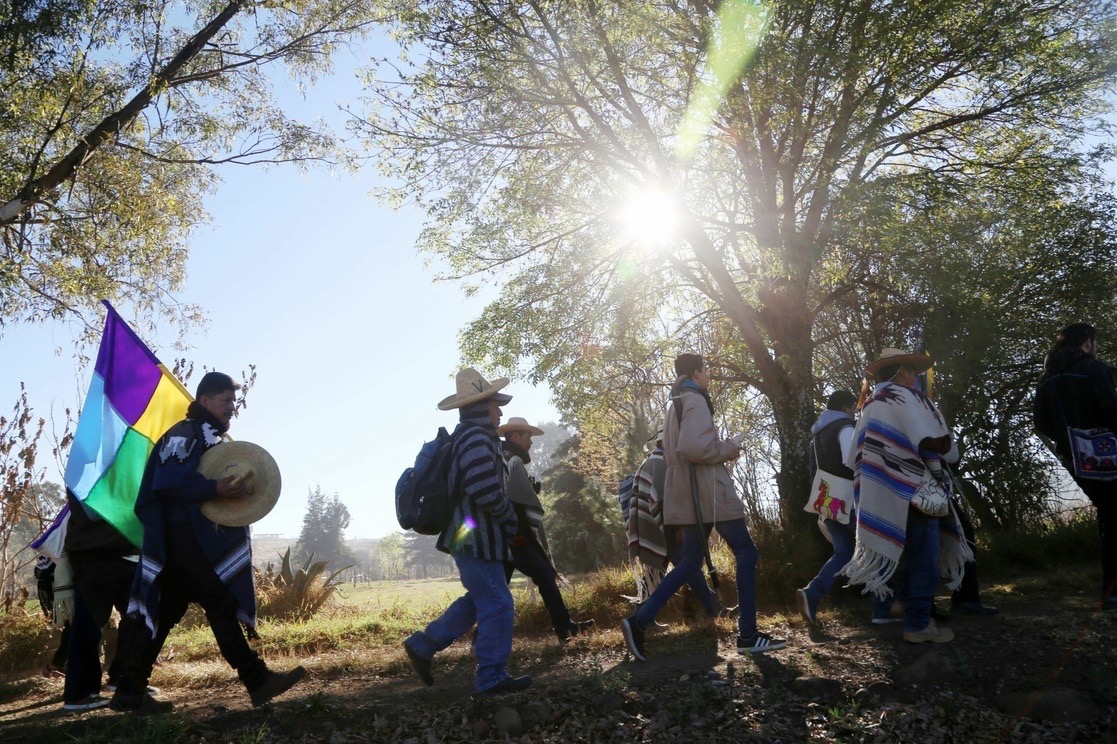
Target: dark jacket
(1075, 390)
(826, 448)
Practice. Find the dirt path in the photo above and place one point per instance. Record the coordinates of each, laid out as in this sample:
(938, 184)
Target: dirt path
(857, 682)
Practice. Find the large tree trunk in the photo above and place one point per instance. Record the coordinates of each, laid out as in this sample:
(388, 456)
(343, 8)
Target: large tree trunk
(793, 410)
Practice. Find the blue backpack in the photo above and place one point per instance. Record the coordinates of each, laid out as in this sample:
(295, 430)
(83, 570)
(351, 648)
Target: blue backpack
(624, 495)
(423, 499)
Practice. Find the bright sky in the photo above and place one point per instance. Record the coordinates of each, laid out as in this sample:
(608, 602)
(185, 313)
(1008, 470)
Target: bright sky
(310, 279)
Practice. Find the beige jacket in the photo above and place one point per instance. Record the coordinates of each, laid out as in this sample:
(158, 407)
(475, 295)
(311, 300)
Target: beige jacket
(696, 441)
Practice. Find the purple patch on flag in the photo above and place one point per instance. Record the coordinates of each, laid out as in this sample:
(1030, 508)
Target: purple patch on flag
(129, 370)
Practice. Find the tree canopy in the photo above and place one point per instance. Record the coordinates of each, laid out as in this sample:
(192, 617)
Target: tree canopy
(113, 120)
(323, 532)
(798, 146)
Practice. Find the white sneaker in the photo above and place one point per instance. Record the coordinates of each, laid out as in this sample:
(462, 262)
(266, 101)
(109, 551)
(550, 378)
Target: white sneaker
(89, 702)
(759, 644)
(931, 634)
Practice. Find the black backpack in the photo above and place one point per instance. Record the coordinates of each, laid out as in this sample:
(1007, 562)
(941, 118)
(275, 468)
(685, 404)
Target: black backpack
(423, 499)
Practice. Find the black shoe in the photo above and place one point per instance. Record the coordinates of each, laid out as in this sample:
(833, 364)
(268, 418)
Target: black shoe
(508, 684)
(421, 665)
(275, 684)
(973, 608)
(142, 704)
(760, 643)
(634, 637)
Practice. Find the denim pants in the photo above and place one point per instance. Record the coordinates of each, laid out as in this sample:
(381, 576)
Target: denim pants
(736, 536)
(844, 539)
(697, 583)
(486, 602)
(917, 585)
(532, 562)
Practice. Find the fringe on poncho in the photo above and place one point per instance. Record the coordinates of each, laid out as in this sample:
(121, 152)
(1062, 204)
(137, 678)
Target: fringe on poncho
(888, 468)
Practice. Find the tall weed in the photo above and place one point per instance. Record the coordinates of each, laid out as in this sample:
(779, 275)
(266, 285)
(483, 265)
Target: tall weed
(25, 641)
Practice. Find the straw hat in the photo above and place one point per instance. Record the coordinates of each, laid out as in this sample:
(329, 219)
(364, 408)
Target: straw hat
(655, 437)
(889, 357)
(519, 424)
(253, 466)
(473, 388)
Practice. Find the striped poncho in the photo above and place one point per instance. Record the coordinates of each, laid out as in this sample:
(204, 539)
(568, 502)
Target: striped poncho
(647, 546)
(888, 468)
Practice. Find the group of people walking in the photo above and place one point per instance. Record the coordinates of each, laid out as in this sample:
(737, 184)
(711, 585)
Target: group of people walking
(882, 488)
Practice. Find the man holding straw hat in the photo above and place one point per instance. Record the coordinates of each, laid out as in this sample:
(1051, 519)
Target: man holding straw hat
(190, 556)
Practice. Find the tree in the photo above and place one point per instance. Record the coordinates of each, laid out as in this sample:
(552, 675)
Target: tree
(114, 119)
(422, 559)
(323, 531)
(526, 127)
(583, 520)
(545, 447)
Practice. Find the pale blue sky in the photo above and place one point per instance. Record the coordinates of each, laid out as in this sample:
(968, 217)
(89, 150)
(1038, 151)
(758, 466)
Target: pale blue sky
(309, 278)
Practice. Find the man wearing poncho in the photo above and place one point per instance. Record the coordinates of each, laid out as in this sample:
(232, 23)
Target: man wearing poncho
(188, 558)
(899, 441)
(530, 552)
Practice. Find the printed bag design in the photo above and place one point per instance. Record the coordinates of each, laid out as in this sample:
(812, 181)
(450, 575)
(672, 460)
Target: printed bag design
(1094, 452)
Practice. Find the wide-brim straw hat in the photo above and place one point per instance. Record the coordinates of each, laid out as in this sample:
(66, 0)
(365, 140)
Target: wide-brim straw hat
(250, 464)
(473, 388)
(655, 437)
(890, 357)
(517, 423)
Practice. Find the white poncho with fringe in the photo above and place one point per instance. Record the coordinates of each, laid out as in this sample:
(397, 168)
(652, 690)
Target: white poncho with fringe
(888, 468)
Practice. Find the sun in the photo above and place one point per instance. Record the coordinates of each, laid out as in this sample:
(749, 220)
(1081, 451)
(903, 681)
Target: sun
(650, 216)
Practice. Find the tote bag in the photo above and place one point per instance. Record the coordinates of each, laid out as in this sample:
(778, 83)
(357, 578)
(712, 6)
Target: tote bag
(831, 496)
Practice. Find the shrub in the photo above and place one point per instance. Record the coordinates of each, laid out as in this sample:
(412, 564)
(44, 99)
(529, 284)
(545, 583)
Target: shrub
(296, 595)
(25, 639)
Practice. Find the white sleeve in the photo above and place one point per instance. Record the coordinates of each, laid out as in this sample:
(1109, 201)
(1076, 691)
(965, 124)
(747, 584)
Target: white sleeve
(845, 439)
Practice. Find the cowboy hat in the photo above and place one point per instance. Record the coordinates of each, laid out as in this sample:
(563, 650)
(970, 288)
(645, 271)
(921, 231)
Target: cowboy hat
(517, 423)
(890, 357)
(250, 464)
(473, 388)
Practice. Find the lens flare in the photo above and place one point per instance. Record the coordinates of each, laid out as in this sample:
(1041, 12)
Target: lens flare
(650, 216)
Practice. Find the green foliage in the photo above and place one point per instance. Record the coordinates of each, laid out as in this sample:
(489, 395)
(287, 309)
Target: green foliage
(583, 521)
(296, 594)
(422, 558)
(830, 209)
(25, 640)
(323, 530)
(114, 222)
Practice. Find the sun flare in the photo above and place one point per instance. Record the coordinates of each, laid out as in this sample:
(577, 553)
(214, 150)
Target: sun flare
(650, 217)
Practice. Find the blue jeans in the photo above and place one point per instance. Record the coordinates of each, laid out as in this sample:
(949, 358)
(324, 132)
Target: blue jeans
(917, 583)
(697, 583)
(844, 539)
(736, 536)
(486, 602)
